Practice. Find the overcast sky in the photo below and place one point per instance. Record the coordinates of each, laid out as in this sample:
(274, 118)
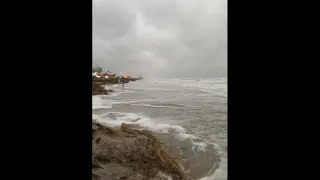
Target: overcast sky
(172, 38)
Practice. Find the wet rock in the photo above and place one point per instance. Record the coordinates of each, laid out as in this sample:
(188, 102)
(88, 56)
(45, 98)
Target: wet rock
(98, 89)
(126, 153)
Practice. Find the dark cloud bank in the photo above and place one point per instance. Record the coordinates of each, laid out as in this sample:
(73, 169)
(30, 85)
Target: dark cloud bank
(167, 38)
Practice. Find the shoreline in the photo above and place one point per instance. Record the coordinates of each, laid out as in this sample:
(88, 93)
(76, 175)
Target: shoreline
(126, 153)
(98, 84)
(189, 164)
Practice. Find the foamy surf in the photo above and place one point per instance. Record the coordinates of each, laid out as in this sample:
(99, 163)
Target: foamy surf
(99, 103)
(95, 116)
(196, 129)
(163, 106)
(179, 132)
(115, 119)
(101, 107)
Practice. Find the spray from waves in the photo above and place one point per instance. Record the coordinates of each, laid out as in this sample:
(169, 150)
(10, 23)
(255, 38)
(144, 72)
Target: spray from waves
(99, 103)
(115, 119)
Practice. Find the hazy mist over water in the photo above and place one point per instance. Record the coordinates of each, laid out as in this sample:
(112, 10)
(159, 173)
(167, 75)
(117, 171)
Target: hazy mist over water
(168, 38)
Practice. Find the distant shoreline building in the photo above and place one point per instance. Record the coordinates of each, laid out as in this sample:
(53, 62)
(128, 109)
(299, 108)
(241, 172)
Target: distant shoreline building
(99, 73)
(97, 70)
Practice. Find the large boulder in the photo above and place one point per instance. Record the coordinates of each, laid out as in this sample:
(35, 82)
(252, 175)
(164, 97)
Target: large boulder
(125, 153)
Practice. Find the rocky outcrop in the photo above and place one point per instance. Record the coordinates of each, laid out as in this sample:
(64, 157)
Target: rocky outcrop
(97, 88)
(114, 80)
(124, 153)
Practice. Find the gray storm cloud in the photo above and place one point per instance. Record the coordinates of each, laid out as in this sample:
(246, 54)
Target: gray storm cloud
(168, 38)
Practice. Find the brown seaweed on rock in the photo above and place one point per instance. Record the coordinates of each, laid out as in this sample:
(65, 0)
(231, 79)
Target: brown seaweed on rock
(126, 153)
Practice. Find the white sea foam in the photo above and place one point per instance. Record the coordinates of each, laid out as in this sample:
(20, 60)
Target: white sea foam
(117, 118)
(162, 106)
(101, 107)
(95, 116)
(97, 101)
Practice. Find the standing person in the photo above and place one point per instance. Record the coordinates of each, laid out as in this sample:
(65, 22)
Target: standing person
(122, 84)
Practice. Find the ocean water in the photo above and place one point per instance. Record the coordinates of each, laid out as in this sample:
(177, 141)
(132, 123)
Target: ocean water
(192, 113)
